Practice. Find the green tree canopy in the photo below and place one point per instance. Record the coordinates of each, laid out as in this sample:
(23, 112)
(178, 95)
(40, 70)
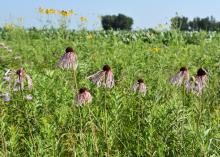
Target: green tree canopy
(119, 22)
(197, 24)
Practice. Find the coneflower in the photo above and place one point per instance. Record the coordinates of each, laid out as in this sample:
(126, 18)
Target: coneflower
(182, 77)
(140, 87)
(201, 80)
(103, 77)
(6, 97)
(83, 97)
(29, 97)
(7, 78)
(68, 60)
(21, 78)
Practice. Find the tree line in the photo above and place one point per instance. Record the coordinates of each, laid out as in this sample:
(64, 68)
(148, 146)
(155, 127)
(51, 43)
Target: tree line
(123, 22)
(197, 24)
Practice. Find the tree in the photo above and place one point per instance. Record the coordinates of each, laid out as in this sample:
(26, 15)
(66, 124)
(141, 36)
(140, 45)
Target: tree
(119, 22)
(181, 23)
(197, 24)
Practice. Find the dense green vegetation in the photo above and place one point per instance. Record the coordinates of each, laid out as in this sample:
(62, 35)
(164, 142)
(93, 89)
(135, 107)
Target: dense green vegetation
(166, 122)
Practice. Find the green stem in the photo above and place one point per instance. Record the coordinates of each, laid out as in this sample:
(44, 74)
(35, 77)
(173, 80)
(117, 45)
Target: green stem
(21, 88)
(93, 132)
(81, 138)
(75, 79)
(80, 116)
(106, 123)
(139, 111)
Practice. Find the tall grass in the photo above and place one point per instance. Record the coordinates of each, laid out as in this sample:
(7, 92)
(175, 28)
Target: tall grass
(166, 122)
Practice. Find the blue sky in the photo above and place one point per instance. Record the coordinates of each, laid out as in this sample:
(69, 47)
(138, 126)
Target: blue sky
(145, 13)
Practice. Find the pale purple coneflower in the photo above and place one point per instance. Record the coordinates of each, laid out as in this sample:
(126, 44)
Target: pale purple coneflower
(68, 60)
(140, 87)
(6, 97)
(182, 77)
(83, 97)
(103, 77)
(7, 78)
(29, 97)
(22, 76)
(201, 80)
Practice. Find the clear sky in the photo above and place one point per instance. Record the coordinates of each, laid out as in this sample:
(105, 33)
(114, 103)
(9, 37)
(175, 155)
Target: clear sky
(145, 13)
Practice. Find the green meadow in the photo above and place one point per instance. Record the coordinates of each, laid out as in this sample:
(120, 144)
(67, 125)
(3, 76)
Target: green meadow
(167, 121)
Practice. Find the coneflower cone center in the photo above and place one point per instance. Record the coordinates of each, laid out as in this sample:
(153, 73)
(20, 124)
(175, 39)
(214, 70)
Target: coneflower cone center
(69, 49)
(82, 90)
(201, 72)
(106, 68)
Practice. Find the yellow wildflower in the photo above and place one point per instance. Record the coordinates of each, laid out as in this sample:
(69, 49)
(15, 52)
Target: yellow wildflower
(155, 49)
(51, 11)
(66, 13)
(71, 12)
(89, 36)
(8, 26)
(83, 19)
(42, 10)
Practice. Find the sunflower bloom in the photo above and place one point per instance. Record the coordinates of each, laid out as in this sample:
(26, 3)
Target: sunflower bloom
(83, 97)
(50, 11)
(68, 60)
(66, 13)
(103, 77)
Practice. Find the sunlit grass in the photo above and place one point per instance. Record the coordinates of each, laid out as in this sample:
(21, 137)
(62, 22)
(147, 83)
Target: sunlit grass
(164, 122)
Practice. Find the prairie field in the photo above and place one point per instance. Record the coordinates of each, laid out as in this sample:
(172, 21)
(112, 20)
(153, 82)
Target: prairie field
(167, 121)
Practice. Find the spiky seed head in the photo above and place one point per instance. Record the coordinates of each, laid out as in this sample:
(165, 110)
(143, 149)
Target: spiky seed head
(201, 72)
(20, 72)
(106, 68)
(140, 81)
(69, 49)
(183, 69)
(82, 90)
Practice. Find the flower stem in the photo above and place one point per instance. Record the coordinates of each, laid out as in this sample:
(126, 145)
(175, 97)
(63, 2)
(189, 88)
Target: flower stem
(139, 111)
(106, 123)
(81, 130)
(20, 87)
(93, 131)
(75, 79)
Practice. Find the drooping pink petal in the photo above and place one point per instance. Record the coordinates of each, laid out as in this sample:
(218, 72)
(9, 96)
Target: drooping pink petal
(83, 97)
(29, 80)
